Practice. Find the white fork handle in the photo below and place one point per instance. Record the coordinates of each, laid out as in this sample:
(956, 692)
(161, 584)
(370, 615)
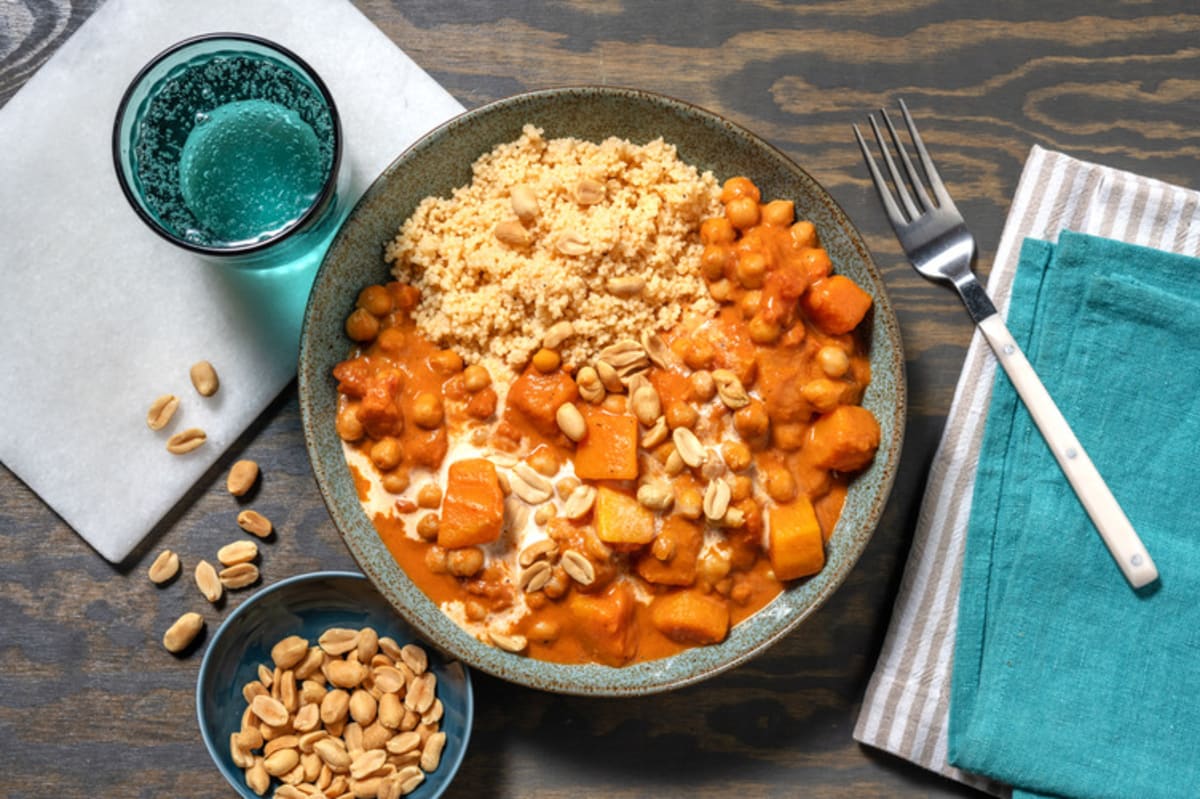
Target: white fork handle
(1114, 527)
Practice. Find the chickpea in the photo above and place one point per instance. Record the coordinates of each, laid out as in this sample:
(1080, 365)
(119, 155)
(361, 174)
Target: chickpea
(391, 340)
(736, 455)
(483, 404)
(751, 421)
(816, 263)
(544, 461)
(475, 610)
(833, 360)
(822, 394)
(386, 453)
(543, 630)
(714, 566)
(741, 592)
(428, 526)
(375, 300)
(395, 482)
(663, 548)
(361, 326)
(751, 268)
(427, 410)
(750, 302)
(779, 213)
(435, 559)
(804, 234)
(565, 486)
(764, 331)
(699, 352)
(789, 436)
(559, 582)
(476, 377)
(615, 403)
(465, 562)
(546, 360)
(430, 496)
(794, 336)
(742, 212)
(739, 187)
(681, 414)
(702, 386)
(779, 483)
(717, 230)
(447, 362)
(721, 290)
(349, 428)
(712, 260)
(404, 295)
(742, 488)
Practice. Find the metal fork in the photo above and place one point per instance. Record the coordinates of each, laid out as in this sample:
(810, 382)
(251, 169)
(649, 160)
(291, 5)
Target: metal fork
(936, 240)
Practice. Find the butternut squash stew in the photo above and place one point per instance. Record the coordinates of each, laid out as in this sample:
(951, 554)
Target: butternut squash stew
(608, 408)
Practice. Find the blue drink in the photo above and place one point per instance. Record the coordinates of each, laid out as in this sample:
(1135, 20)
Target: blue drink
(228, 146)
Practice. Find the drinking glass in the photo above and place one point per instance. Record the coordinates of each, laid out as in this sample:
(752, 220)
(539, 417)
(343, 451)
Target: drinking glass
(230, 146)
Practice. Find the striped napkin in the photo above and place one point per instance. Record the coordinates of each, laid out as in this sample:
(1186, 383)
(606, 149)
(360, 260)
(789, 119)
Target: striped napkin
(906, 707)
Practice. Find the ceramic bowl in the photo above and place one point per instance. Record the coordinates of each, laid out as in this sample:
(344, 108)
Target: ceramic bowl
(307, 605)
(441, 161)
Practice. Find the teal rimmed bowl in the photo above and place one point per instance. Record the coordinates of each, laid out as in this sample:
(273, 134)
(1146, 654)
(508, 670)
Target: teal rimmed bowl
(440, 162)
(307, 605)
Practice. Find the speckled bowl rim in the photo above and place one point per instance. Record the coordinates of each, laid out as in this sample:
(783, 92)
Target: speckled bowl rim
(447, 769)
(865, 501)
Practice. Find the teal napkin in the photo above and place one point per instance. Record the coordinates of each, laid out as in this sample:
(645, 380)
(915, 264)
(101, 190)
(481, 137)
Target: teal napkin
(1067, 682)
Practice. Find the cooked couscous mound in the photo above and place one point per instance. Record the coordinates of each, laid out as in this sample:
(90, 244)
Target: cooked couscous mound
(601, 235)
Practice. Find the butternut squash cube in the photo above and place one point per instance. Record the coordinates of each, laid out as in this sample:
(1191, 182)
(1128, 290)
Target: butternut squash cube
(836, 304)
(621, 520)
(609, 450)
(473, 508)
(845, 439)
(691, 617)
(796, 546)
(606, 623)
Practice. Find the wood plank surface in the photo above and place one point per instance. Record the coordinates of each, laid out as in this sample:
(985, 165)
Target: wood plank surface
(90, 704)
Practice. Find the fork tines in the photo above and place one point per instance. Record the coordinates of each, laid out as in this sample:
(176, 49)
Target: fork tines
(911, 209)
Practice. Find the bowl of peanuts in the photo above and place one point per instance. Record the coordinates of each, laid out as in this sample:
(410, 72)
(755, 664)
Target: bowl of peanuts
(314, 686)
(603, 392)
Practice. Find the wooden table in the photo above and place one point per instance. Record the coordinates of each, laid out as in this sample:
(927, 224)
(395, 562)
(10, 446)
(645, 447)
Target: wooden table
(90, 704)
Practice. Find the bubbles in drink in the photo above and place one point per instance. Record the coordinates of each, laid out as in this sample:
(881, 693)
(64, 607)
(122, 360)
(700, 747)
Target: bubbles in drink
(232, 148)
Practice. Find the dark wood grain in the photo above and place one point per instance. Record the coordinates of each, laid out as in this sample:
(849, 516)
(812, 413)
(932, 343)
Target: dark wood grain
(91, 705)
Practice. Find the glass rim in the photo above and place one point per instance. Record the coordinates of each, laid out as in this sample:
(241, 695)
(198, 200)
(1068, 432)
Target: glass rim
(318, 203)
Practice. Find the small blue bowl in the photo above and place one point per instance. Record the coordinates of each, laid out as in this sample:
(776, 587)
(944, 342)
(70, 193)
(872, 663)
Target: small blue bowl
(307, 605)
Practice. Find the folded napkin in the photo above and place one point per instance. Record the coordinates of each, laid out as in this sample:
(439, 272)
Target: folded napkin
(1066, 681)
(99, 316)
(905, 709)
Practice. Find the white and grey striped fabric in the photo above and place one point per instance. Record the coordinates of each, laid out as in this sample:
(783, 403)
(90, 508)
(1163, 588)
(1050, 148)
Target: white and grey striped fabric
(906, 707)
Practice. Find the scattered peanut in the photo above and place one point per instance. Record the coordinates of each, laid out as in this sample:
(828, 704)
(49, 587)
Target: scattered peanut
(161, 411)
(208, 582)
(164, 567)
(237, 552)
(204, 378)
(239, 575)
(242, 476)
(186, 441)
(181, 634)
(254, 523)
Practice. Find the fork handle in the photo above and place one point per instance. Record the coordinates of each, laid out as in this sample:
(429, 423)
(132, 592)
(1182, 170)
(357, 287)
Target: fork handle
(1112, 524)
